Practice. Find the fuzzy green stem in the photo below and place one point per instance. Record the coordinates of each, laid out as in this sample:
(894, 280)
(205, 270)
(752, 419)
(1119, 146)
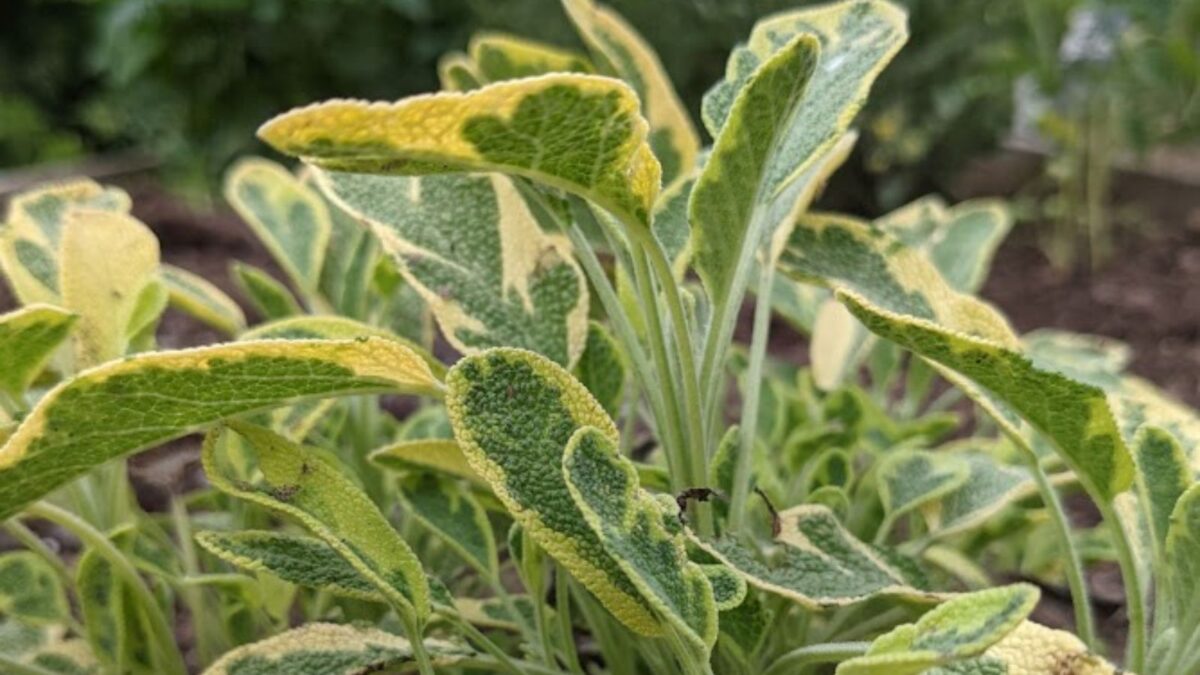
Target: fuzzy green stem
(416, 638)
(1135, 655)
(562, 603)
(160, 627)
(835, 652)
(208, 636)
(483, 642)
(753, 389)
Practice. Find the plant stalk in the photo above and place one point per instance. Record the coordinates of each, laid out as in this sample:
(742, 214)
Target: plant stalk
(834, 652)
(1135, 654)
(749, 426)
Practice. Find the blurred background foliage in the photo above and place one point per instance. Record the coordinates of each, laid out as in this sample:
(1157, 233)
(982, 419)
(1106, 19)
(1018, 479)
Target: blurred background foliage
(188, 81)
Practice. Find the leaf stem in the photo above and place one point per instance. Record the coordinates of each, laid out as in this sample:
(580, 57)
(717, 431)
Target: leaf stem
(834, 652)
(1135, 655)
(416, 638)
(157, 621)
(562, 598)
(753, 388)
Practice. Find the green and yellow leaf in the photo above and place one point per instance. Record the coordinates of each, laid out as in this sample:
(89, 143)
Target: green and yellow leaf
(642, 533)
(456, 72)
(112, 619)
(30, 590)
(455, 517)
(1033, 649)
(28, 339)
(989, 487)
(601, 368)
(819, 564)
(268, 297)
(1163, 476)
(958, 629)
(331, 649)
(289, 218)
(427, 454)
(623, 53)
(1181, 580)
(297, 559)
(129, 405)
(473, 250)
(580, 133)
(513, 413)
(195, 295)
(300, 483)
(333, 327)
(497, 56)
(909, 479)
(899, 295)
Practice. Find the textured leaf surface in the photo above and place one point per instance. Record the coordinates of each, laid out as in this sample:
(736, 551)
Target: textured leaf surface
(267, 296)
(989, 487)
(108, 260)
(602, 369)
(455, 517)
(298, 482)
(427, 454)
(1033, 649)
(513, 413)
(30, 591)
(1163, 476)
(322, 327)
(641, 533)
(777, 117)
(496, 57)
(899, 295)
(1182, 578)
(330, 649)
(474, 251)
(287, 216)
(297, 559)
(820, 563)
(960, 240)
(112, 619)
(908, 479)
(576, 132)
(125, 406)
(31, 236)
(625, 54)
(958, 629)
(195, 295)
(28, 338)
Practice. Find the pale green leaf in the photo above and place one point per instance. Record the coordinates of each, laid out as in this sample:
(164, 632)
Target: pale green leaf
(641, 533)
(899, 295)
(288, 217)
(112, 618)
(819, 563)
(198, 297)
(28, 338)
(455, 517)
(580, 133)
(350, 258)
(497, 56)
(267, 296)
(990, 486)
(473, 250)
(1162, 478)
(908, 479)
(30, 591)
(728, 587)
(330, 649)
(427, 454)
(145, 400)
(671, 227)
(625, 54)
(297, 559)
(513, 413)
(601, 368)
(1181, 580)
(958, 629)
(300, 483)
(495, 613)
(960, 241)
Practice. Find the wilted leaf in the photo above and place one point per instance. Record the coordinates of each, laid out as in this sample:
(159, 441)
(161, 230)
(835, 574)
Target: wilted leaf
(513, 413)
(299, 483)
(129, 405)
(580, 133)
(331, 649)
(473, 250)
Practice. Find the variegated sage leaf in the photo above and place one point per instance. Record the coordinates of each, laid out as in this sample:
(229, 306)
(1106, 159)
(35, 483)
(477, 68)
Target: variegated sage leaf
(671, 227)
(580, 133)
(1032, 649)
(495, 612)
(331, 649)
(427, 454)
(47, 649)
(621, 52)
(195, 295)
(268, 297)
(958, 629)
(109, 260)
(602, 368)
(1163, 476)
(455, 517)
(990, 486)
(332, 327)
(899, 295)
(456, 72)
(31, 235)
(349, 261)
(302, 484)
(30, 591)
(28, 338)
(112, 618)
(641, 533)
(819, 564)
(513, 413)
(728, 587)
(471, 247)
(301, 560)
(908, 479)
(288, 217)
(133, 404)
(1181, 580)
(496, 57)
(780, 119)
